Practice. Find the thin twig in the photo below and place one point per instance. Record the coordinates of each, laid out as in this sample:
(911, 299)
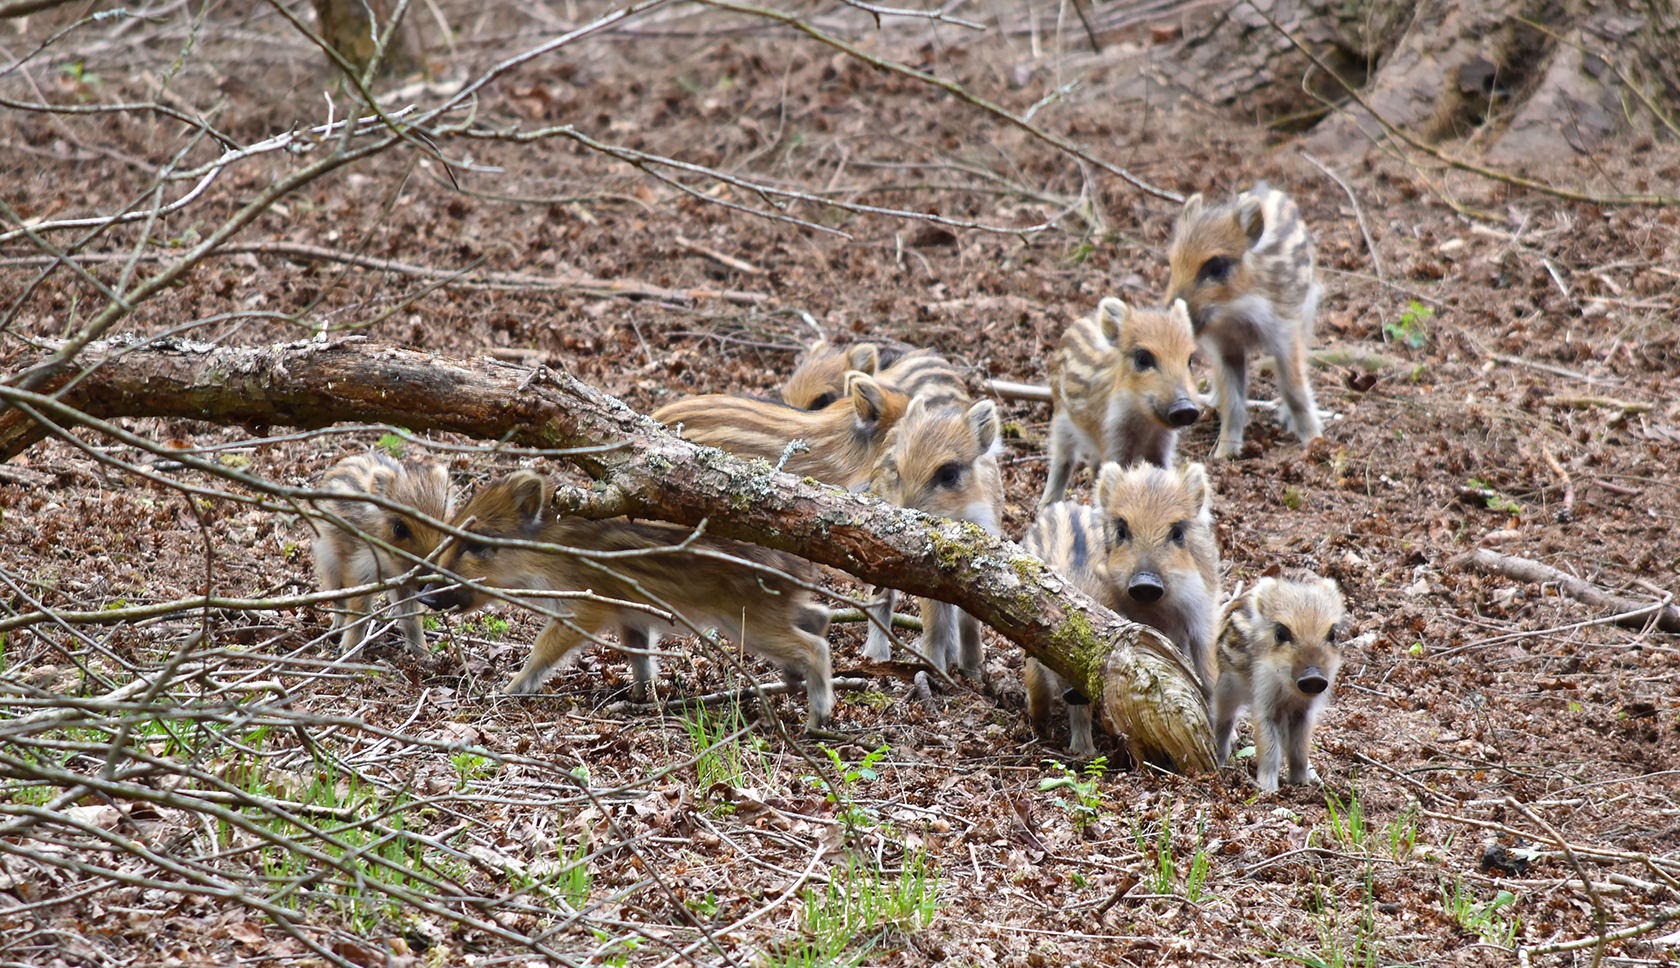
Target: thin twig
(1358, 213)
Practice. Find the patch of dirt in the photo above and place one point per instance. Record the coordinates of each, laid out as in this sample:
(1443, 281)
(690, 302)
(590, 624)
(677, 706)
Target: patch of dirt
(1547, 338)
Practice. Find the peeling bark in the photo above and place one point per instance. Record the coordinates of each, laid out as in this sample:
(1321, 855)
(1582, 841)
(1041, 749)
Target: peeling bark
(1143, 688)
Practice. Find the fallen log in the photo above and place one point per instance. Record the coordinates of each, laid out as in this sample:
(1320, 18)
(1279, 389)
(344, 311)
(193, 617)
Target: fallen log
(1143, 690)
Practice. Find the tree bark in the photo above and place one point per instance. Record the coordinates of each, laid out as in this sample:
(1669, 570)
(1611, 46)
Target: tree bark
(1142, 687)
(347, 26)
(1539, 80)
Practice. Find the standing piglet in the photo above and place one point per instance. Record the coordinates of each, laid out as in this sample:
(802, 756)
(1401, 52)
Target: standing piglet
(627, 575)
(943, 461)
(1120, 382)
(345, 560)
(1278, 655)
(1147, 551)
(1245, 269)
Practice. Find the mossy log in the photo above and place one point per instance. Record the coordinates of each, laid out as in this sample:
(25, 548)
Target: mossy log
(1143, 689)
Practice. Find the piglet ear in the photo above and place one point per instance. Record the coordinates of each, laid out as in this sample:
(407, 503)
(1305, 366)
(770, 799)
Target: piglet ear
(1193, 207)
(1180, 313)
(525, 493)
(916, 410)
(1113, 315)
(1108, 478)
(1334, 591)
(867, 398)
(383, 479)
(1251, 218)
(983, 422)
(865, 357)
(1197, 486)
(1261, 601)
(431, 488)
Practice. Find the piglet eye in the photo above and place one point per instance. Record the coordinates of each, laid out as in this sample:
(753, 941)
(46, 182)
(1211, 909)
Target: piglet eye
(1332, 633)
(823, 401)
(475, 549)
(1122, 530)
(1177, 533)
(1143, 359)
(948, 474)
(399, 529)
(1216, 269)
(1284, 636)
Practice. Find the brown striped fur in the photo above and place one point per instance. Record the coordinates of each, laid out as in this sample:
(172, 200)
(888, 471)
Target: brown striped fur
(763, 611)
(343, 560)
(820, 377)
(1278, 654)
(1120, 382)
(1245, 269)
(1146, 550)
(941, 461)
(844, 438)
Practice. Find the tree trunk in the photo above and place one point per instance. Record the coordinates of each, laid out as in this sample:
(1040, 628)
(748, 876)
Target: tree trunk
(346, 25)
(1142, 687)
(1532, 80)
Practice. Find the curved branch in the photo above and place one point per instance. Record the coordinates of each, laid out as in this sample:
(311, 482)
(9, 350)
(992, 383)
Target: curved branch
(1143, 688)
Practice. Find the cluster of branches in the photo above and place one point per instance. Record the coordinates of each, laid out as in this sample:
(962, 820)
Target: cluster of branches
(173, 732)
(200, 730)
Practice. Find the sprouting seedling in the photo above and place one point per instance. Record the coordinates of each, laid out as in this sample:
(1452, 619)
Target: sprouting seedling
(1413, 326)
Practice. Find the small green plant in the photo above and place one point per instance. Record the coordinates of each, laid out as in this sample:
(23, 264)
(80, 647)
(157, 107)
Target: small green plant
(1413, 326)
(392, 444)
(1293, 497)
(861, 900)
(1085, 804)
(1196, 880)
(1495, 499)
(1340, 945)
(491, 627)
(719, 757)
(706, 907)
(470, 766)
(1484, 919)
(573, 881)
(1347, 821)
(1401, 834)
(615, 951)
(1164, 878)
(850, 814)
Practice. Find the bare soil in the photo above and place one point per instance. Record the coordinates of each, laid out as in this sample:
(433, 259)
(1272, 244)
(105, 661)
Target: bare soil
(1544, 337)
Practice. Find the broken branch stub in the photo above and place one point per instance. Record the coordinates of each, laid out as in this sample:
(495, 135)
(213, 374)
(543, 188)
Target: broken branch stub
(1143, 688)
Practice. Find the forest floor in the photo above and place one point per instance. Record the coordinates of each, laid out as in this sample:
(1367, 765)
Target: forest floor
(1523, 350)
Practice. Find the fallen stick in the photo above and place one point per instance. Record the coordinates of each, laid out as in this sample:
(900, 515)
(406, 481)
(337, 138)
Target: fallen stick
(1558, 370)
(1010, 390)
(1353, 359)
(924, 691)
(899, 619)
(1564, 515)
(742, 694)
(1616, 488)
(572, 281)
(1637, 614)
(720, 258)
(1358, 213)
(1609, 403)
